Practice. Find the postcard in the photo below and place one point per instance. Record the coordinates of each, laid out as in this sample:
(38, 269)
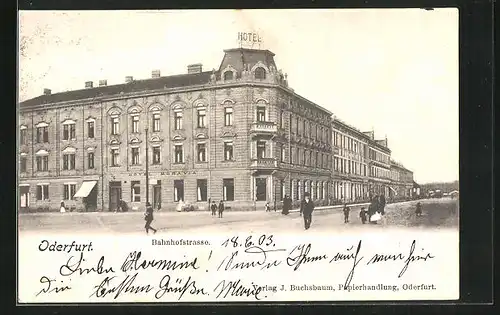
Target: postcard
(223, 156)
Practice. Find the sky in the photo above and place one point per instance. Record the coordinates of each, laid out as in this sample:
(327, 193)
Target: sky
(391, 70)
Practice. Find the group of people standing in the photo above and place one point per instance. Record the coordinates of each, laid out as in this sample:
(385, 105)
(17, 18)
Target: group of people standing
(375, 211)
(220, 208)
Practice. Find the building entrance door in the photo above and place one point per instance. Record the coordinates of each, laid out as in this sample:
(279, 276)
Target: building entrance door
(157, 196)
(24, 192)
(91, 199)
(261, 189)
(115, 194)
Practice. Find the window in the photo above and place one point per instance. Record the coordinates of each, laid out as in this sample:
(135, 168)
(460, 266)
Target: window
(23, 162)
(90, 160)
(156, 155)
(228, 75)
(228, 189)
(42, 192)
(228, 116)
(297, 124)
(156, 122)
(135, 191)
(201, 190)
(261, 113)
(42, 134)
(90, 129)
(42, 163)
(304, 154)
(23, 136)
(69, 191)
(260, 73)
(282, 120)
(135, 124)
(178, 190)
(202, 152)
(69, 162)
(114, 157)
(202, 113)
(135, 156)
(283, 153)
(115, 125)
(297, 156)
(178, 120)
(261, 149)
(317, 161)
(179, 156)
(228, 151)
(283, 191)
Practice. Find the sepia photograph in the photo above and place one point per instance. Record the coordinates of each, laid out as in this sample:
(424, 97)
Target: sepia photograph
(175, 156)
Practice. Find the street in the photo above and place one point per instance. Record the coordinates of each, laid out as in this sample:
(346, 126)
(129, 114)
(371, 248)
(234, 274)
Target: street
(436, 213)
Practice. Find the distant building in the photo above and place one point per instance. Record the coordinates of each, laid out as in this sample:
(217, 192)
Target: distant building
(402, 184)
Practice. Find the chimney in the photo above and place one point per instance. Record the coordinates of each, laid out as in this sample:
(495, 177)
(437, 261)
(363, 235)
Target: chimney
(195, 68)
(89, 84)
(47, 92)
(103, 82)
(129, 79)
(155, 74)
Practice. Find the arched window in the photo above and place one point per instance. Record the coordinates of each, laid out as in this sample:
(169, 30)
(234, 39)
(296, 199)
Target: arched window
(260, 73)
(228, 75)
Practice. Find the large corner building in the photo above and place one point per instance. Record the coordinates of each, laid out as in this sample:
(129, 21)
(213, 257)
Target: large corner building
(238, 133)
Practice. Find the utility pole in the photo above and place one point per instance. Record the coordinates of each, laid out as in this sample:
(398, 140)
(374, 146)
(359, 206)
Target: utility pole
(147, 167)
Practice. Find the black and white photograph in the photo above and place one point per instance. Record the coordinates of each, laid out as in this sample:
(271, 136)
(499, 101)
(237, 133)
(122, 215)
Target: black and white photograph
(176, 156)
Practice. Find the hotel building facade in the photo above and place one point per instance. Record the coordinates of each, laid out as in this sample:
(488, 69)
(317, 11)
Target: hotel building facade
(238, 133)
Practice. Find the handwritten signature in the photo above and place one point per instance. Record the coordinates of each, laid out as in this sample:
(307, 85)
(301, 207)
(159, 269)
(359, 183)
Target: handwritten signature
(237, 288)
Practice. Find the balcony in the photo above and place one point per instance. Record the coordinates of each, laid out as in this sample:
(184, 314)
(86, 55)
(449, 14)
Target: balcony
(264, 163)
(264, 127)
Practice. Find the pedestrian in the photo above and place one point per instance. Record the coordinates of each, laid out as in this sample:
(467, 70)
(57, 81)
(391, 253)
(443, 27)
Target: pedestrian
(418, 210)
(346, 213)
(63, 207)
(362, 215)
(148, 216)
(287, 205)
(221, 208)
(381, 204)
(307, 208)
(213, 207)
(122, 206)
(268, 209)
(373, 209)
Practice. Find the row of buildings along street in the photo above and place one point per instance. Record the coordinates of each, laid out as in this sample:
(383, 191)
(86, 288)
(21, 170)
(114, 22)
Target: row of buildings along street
(238, 133)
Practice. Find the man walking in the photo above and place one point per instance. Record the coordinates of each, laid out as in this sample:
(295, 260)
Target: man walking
(221, 208)
(346, 213)
(307, 207)
(148, 216)
(287, 205)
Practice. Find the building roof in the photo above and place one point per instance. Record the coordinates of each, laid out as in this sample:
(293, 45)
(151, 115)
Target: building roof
(239, 57)
(173, 81)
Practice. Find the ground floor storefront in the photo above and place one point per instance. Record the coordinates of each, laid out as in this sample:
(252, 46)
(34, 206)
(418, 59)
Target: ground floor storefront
(82, 194)
(239, 189)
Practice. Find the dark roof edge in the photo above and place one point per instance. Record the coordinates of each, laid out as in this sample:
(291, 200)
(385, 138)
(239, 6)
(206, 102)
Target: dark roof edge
(249, 50)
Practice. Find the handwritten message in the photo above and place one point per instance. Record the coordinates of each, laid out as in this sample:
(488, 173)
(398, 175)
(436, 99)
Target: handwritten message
(253, 267)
